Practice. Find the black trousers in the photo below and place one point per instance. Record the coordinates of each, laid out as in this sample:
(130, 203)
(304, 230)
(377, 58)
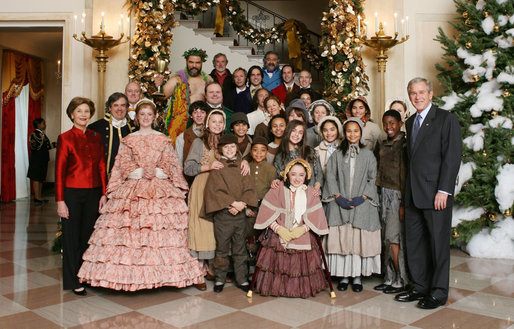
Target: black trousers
(82, 205)
(428, 250)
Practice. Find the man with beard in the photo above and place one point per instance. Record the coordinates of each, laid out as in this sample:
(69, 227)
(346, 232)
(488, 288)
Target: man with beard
(186, 86)
(133, 93)
(239, 97)
(305, 80)
(288, 85)
(113, 126)
(222, 75)
(272, 73)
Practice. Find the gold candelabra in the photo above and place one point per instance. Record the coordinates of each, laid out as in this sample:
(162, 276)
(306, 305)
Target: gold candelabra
(101, 42)
(381, 43)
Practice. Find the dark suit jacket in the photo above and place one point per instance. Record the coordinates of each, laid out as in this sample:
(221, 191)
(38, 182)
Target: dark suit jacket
(228, 83)
(434, 159)
(241, 102)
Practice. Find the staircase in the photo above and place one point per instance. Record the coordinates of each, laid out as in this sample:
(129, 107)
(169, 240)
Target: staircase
(240, 53)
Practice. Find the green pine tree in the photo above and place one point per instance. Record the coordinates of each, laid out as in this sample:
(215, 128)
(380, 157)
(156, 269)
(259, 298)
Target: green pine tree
(477, 60)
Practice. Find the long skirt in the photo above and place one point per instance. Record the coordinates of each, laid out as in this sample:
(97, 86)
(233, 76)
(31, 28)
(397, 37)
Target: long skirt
(288, 272)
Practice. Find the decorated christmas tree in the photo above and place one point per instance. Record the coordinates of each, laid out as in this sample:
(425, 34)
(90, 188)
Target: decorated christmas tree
(478, 75)
(344, 77)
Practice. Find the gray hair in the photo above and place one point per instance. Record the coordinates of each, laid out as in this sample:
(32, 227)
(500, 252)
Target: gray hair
(420, 79)
(219, 55)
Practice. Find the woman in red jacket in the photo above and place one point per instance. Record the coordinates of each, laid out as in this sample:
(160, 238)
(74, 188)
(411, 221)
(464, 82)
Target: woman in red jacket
(80, 180)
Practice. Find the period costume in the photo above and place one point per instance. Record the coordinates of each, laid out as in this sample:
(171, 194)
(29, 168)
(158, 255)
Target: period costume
(39, 157)
(185, 140)
(314, 134)
(112, 132)
(271, 79)
(140, 240)
(177, 113)
(224, 186)
(80, 181)
(391, 175)
(290, 269)
(317, 173)
(282, 91)
(226, 82)
(263, 173)
(325, 149)
(255, 118)
(296, 94)
(201, 230)
(434, 149)
(371, 133)
(353, 243)
(238, 100)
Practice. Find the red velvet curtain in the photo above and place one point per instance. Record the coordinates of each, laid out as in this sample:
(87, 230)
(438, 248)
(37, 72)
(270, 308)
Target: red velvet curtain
(8, 191)
(17, 70)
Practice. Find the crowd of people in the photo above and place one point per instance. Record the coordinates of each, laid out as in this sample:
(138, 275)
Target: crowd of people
(253, 170)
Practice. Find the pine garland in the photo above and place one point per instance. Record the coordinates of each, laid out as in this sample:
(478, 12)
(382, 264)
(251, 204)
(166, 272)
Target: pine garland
(343, 66)
(152, 39)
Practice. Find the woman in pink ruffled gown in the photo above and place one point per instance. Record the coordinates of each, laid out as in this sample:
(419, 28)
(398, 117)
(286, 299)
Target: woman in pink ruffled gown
(140, 239)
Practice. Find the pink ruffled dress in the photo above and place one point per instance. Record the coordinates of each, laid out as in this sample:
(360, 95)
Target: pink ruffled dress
(140, 239)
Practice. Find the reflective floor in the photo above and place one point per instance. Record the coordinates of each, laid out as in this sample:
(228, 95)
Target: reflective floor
(482, 294)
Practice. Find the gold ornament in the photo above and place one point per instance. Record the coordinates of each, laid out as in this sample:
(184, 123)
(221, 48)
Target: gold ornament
(475, 77)
(469, 44)
(496, 28)
(507, 212)
(468, 21)
(455, 233)
(506, 93)
(339, 66)
(484, 153)
(492, 217)
(465, 14)
(486, 13)
(494, 114)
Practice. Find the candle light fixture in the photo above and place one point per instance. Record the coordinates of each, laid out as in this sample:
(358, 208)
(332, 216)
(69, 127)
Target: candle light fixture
(101, 42)
(381, 43)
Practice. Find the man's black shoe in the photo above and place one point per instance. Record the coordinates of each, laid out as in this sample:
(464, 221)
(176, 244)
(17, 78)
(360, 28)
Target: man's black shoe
(408, 296)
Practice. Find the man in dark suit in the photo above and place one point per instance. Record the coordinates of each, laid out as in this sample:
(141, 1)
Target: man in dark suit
(239, 98)
(113, 127)
(434, 148)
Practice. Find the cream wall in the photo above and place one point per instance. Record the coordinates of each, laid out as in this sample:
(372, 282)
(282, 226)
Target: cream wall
(417, 56)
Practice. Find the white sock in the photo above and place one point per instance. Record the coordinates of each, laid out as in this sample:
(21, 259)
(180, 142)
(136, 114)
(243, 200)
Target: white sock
(345, 280)
(219, 283)
(357, 280)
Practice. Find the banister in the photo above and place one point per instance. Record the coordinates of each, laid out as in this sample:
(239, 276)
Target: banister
(276, 15)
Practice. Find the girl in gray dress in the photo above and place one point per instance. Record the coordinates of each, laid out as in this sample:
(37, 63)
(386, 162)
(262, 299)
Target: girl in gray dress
(353, 243)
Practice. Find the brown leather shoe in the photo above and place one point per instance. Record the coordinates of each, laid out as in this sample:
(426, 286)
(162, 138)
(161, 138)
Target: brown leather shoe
(201, 286)
(210, 277)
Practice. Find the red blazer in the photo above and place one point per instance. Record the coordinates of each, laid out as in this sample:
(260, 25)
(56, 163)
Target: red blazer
(281, 91)
(80, 161)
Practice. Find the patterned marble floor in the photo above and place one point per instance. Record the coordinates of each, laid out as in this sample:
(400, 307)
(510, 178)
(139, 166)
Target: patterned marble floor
(482, 294)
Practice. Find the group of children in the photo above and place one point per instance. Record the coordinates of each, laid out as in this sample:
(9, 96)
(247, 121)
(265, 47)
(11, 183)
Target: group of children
(291, 183)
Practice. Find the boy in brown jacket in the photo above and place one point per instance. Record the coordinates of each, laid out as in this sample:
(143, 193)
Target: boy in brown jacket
(227, 195)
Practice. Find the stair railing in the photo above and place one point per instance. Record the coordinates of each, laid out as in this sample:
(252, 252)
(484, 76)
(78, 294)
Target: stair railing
(260, 17)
